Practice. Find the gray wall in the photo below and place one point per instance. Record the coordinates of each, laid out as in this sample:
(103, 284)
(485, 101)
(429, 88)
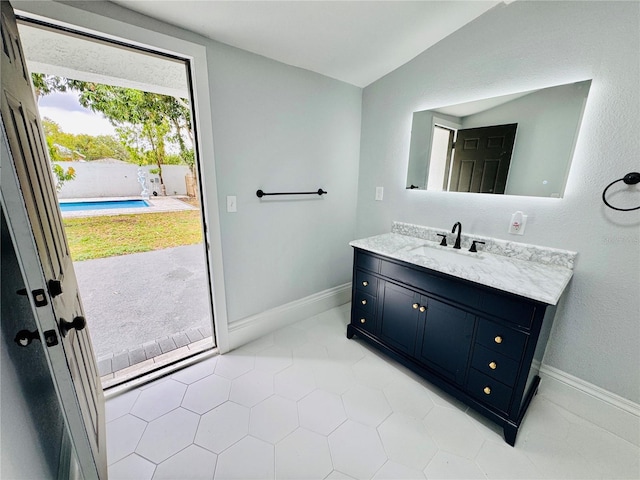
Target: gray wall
(523, 46)
(279, 128)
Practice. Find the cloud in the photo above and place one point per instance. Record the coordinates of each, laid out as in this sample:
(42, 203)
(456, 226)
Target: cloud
(78, 122)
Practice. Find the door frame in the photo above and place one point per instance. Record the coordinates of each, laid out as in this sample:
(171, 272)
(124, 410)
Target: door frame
(71, 17)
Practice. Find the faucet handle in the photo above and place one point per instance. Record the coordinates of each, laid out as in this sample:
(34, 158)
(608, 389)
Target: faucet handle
(444, 239)
(473, 245)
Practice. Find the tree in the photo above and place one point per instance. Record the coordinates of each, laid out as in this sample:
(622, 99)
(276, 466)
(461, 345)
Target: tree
(143, 120)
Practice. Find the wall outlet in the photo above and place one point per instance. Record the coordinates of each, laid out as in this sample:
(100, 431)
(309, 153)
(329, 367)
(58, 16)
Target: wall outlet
(232, 205)
(379, 193)
(518, 222)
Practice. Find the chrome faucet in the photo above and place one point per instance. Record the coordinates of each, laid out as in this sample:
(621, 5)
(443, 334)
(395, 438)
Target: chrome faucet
(457, 225)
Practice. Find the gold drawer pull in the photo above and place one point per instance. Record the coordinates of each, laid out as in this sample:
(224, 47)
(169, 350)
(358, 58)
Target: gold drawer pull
(487, 390)
(498, 339)
(423, 309)
(362, 320)
(493, 365)
(364, 302)
(415, 306)
(365, 283)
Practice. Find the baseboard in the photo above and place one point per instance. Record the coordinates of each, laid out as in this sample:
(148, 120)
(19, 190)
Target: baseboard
(597, 405)
(253, 327)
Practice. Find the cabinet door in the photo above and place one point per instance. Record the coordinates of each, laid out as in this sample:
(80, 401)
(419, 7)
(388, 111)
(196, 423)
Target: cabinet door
(445, 340)
(399, 317)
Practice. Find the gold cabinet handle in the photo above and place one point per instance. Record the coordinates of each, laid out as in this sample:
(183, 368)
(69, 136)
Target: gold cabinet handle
(498, 339)
(415, 306)
(487, 390)
(362, 320)
(423, 309)
(365, 283)
(364, 302)
(493, 365)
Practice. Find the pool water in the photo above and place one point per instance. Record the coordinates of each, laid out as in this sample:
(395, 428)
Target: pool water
(102, 205)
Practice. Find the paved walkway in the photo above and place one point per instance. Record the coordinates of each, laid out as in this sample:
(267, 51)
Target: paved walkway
(138, 306)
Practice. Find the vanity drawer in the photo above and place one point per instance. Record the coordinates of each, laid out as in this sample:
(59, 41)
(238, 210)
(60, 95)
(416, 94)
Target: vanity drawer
(366, 282)
(489, 390)
(449, 289)
(508, 308)
(501, 339)
(365, 302)
(364, 320)
(494, 365)
(367, 261)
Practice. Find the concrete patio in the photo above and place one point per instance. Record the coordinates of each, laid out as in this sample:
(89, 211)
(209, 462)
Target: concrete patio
(145, 305)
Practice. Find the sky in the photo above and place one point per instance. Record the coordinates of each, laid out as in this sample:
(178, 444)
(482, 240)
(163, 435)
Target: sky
(64, 109)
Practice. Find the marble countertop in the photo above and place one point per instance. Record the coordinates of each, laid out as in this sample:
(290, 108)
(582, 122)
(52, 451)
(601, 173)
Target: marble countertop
(543, 276)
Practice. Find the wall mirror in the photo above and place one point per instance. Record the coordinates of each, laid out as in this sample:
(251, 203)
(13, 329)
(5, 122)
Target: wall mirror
(518, 144)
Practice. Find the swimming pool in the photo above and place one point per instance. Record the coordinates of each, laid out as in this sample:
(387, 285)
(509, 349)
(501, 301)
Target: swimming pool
(102, 205)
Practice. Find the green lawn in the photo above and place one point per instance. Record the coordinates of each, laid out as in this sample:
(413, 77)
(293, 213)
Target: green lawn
(111, 235)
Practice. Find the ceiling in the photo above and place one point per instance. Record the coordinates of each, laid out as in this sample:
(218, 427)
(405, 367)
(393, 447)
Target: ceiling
(357, 42)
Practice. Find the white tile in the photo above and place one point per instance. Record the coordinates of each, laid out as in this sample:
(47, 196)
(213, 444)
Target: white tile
(250, 458)
(321, 411)
(333, 376)
(449, 466)
(233, 364)
(206, 394)
(396, 471)
(121, 405)
(294, 382)
(374, 372)
(256, 345)
(273, 359)
(453, 431)
(192, 463)
(303, 455)
(123, 435)
(132, 467)
(336, 475)
(407, 396)
(290, 337)
(543, 417)
(613, 456)
(168, 435)
(222, 427)
(345, 350)
(406, 441)
(554, 458)
(309, 351)
(356, 450)
(500, 460)
(159, 399)
(251, 388)
(273, 419)
(195, 372)
(366, 405)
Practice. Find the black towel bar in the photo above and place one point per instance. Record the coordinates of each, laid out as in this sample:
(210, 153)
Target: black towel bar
(629, 179)
(320, 192)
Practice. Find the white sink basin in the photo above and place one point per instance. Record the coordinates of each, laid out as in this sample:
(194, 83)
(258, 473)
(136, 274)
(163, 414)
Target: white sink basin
(446, 255)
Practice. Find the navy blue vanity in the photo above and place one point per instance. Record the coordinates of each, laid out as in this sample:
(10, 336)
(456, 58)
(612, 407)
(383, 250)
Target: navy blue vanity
(479, 343)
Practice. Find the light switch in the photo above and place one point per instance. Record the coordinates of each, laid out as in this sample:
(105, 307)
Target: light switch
(232, 206)
(379, 193)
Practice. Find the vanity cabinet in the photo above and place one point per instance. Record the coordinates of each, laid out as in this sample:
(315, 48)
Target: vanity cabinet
(479, 344)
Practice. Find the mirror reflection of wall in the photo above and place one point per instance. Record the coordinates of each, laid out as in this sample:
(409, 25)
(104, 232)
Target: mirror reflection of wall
(467, 147)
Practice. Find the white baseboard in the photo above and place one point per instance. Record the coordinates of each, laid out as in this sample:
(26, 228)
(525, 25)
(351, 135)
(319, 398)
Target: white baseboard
(253, 327)
(597, 405)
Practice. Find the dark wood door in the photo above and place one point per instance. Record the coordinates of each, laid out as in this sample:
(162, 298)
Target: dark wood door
(400, 316)
(444, 339)
(481, 159)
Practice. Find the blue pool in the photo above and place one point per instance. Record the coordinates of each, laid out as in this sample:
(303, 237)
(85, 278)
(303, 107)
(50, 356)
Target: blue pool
(102, 205)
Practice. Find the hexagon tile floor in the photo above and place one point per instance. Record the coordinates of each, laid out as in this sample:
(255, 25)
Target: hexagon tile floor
(306, 403)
